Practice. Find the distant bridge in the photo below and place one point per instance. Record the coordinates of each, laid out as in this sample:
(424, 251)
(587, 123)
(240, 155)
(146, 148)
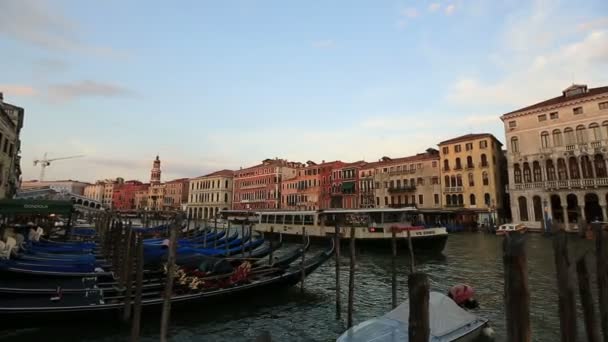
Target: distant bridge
(81, 203)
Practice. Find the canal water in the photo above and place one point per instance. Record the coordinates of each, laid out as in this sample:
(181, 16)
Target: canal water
(472, 258)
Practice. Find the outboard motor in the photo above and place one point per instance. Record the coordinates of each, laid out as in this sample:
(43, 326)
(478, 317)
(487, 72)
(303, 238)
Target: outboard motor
(462, 295)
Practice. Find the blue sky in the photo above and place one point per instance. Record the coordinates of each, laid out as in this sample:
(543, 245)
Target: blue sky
(223, 84)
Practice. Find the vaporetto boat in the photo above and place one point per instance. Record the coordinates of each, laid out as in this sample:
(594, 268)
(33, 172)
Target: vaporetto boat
(373, 225)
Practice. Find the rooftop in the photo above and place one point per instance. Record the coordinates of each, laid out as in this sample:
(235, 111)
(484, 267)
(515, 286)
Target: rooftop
(573, 92)
(469, 137)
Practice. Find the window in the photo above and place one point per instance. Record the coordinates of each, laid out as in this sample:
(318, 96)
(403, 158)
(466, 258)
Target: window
(445, 150)
(603, 105)
(483, 144)
(469, 146)
(553, 116)
(569, 136)
(385, 200)
(527, 173)
(420, 199)
(472, 199)
(459, 180)
(469, 162)
(550, 170)
(537, 172)
(436, 198)
(458, 165)
(581, 135)
(413, 199)
(435, 180)
(471, 180)
(523, 208)
(542, 117)
(517, 174)
(544, 139)
(595, 132)
(515, 145)
(447, 181)
(484, 160)
(484, 176)
(577, 110)
(557, 138)
(420, 181)
(605, 129)
(377, 201)
(434, 163)
(512, 124)
(446, 165)
(457, 148)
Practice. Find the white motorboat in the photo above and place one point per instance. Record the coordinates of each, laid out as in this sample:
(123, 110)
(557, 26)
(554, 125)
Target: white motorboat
(511, 228)
(448, 322)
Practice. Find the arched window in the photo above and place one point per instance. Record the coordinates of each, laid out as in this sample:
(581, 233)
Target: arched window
(605, 129)
(460, 199)
(596, 134)
(454, 199)
(459, 180)
(515, 144)
(527, 173)
(484, 160)
(448, 200)
(523, 208)
(557, 138)
(225, 197)
(471, 180)
(538, 177)
(447, 181)
(538, 208)
(581, 134)
(550, 170)
(469, 162)
(600, 166)
(484, 176)
(562, 170)
(586, 167)
(569, 136)
(472, 199)
(516, 174)
(487, 199)
(453, 179)
(544, 139)
(573, 168)
(446, 165)
(458, 164)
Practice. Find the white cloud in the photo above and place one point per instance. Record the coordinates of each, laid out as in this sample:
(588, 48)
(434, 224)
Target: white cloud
(87, 88)
(410, 12)
(16, 90)
(434, 7)
(324, 44)
(449, 9)
(599, 23)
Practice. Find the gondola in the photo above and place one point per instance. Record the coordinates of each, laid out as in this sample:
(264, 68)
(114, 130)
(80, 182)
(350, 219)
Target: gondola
(71, 305)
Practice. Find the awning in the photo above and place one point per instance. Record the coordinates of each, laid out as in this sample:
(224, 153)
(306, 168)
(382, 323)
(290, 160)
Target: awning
(348, 186)
(28, 206)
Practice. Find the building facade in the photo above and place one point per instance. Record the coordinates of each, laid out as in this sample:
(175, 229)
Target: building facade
(11, 122)
(471, 177)
(259, 187)
(305, 192)
(210, 194)
(70, 186)
(557, 151)
(123, 198)
(176, 194)
(94, 191)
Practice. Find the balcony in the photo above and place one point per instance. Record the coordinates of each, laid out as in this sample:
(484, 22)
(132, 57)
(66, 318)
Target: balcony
(470, 167)
(455, 205)
(404, 188)
(452, 189)
(458, 167)
(253, 186)
(445, 169)
(484, 165)
(564, 184)
(403, 172)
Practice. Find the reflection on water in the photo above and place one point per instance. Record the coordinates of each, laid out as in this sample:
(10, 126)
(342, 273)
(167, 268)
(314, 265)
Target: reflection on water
(475, 259)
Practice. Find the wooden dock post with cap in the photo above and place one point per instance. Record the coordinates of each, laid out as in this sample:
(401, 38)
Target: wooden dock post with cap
(302, 270)
(517, 295)
(584, 288)
(164, 325)
(602, 276)
(567, 304)
(337, 257)
(351, 279)
(139, 277)
(128, 275)
(418, 285)
(394, 268)
(271, 238)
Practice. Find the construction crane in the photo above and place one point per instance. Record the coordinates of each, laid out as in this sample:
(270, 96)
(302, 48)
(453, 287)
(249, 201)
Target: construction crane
(44, 162)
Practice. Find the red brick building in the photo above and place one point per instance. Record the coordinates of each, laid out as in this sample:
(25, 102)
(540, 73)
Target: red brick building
(123, 197)
(344, 188)
(306, 191)
(259, 187)
(176, 194)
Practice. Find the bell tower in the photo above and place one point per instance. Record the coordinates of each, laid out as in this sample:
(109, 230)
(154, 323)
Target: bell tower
(155, 173)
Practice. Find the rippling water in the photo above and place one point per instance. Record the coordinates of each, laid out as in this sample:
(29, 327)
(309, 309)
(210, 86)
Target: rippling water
(475, 259)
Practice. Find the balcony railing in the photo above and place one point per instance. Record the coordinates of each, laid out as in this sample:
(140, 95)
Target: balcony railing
(452, 189)
(455, 205)
(403, 172)
(404, 188)
(458, 167)
(469, 167)
(564, 184)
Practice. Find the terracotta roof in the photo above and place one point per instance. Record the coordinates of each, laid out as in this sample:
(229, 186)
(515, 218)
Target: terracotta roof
(179, 180)
(392, 161)
(224, 172)
(467, 137)
(562, 98)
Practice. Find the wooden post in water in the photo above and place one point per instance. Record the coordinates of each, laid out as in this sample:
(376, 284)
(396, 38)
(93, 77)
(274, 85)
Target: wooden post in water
(584, 289)
(394, 268)
(351, 279)
(567, 304)
(337, 255)
(204, 230)
(136, 322)
(517, 295)
(128, 274)
(302, 270)
(271, 238)
(410, 246)
(215, 231)
(250, 238)
(602, 277)
(242, 239)
(164, 323)
(418, 288)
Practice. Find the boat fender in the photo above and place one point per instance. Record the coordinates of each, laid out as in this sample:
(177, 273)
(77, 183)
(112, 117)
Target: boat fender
(487, 334)
(99, 270)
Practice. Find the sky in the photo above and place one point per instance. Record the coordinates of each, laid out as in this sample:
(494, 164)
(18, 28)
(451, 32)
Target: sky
(209, 85)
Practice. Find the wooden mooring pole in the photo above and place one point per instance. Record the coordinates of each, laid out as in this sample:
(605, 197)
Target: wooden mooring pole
(418, 285)
(584, 289)
(271, 238)
(602, 276)
(567, 304)
(128, 275)
(394, 268)
(302, 269)
(337, 255)
(164, 323)
(139, 279)
(517, 295)
(351, 279)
